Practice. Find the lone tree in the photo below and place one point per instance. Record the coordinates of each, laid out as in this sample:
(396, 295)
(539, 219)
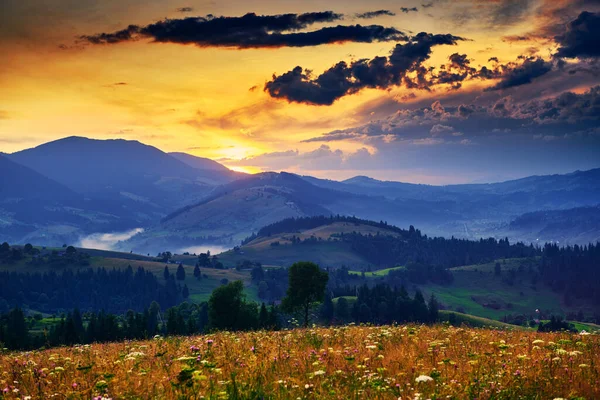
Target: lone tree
(180, 274)
(224, 306)
(307, 284)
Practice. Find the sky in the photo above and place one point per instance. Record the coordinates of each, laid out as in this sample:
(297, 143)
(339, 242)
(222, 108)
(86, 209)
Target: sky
(432, 91)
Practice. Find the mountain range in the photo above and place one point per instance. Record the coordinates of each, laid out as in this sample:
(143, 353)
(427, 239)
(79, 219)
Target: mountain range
(63, 190)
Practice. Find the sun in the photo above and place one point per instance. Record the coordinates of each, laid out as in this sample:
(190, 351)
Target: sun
(245, 170)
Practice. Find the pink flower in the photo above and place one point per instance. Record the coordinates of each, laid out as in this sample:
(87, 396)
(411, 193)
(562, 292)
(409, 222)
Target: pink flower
(75, 385)
(252, 349)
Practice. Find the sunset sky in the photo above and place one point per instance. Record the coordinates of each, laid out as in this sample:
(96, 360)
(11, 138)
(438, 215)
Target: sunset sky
(429, 91)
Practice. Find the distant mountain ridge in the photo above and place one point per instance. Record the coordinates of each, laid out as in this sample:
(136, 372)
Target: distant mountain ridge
(128, 183)
(199, 162)
(183, 199)
(36, 207)
(575, 225)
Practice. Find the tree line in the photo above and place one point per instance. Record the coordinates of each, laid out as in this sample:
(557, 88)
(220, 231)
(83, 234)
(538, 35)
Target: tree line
(226, 309)
(573, 270)
(113, 290)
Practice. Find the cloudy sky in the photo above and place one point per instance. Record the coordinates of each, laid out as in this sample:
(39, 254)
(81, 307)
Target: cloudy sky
(432, 91)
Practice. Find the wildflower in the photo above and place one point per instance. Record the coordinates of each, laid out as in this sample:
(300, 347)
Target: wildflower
(423, 378)
(74, 385)
(319, 372)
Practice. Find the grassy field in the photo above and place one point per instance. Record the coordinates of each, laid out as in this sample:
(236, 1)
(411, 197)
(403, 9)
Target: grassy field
(478, 291)
(388, 362)
(350, 299)
(326, 254)
(473, 321)
(323, 233)
(376, 274)
(200, 290)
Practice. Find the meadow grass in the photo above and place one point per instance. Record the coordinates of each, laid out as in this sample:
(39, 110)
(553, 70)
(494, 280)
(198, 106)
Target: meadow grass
(377, 274)
(353, 362)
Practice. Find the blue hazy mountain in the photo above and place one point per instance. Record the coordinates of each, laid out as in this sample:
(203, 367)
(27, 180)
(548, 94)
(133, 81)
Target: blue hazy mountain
(180, 198)
(30, 201)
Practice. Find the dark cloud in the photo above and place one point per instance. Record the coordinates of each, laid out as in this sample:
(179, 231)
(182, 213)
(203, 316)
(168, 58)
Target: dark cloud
(516, 38)
(582, 37)
(406, 10)
(132, 32)
(373, 14)
(561, 116)
(251, 31)
(520, 74)
(342, 79)
(185, 9)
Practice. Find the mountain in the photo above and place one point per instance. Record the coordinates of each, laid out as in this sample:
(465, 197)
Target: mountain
(212, 172)
(579, 225)
(128, 176)
(473, 210)
(199, 162)
(234, 211)
(183, 200)
(33, 206)
(21, 183)
(579, 187)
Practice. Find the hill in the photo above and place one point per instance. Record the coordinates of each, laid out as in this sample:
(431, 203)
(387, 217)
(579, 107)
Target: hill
(317, 239)
(54, 262)
(477, 290)
(122, 185)
(465, 211)
(137, 175)
(33, 206)
(183, 201)
(570, 226)
(201, 163)
(471, 210)
(235, 210)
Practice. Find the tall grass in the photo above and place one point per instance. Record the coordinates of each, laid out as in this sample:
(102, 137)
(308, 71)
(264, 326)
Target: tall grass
(355, 362)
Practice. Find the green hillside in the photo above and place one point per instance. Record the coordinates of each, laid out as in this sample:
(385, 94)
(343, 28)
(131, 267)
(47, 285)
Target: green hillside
(200, 289)
(458, 319)
(477, 290)
(318, 244)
